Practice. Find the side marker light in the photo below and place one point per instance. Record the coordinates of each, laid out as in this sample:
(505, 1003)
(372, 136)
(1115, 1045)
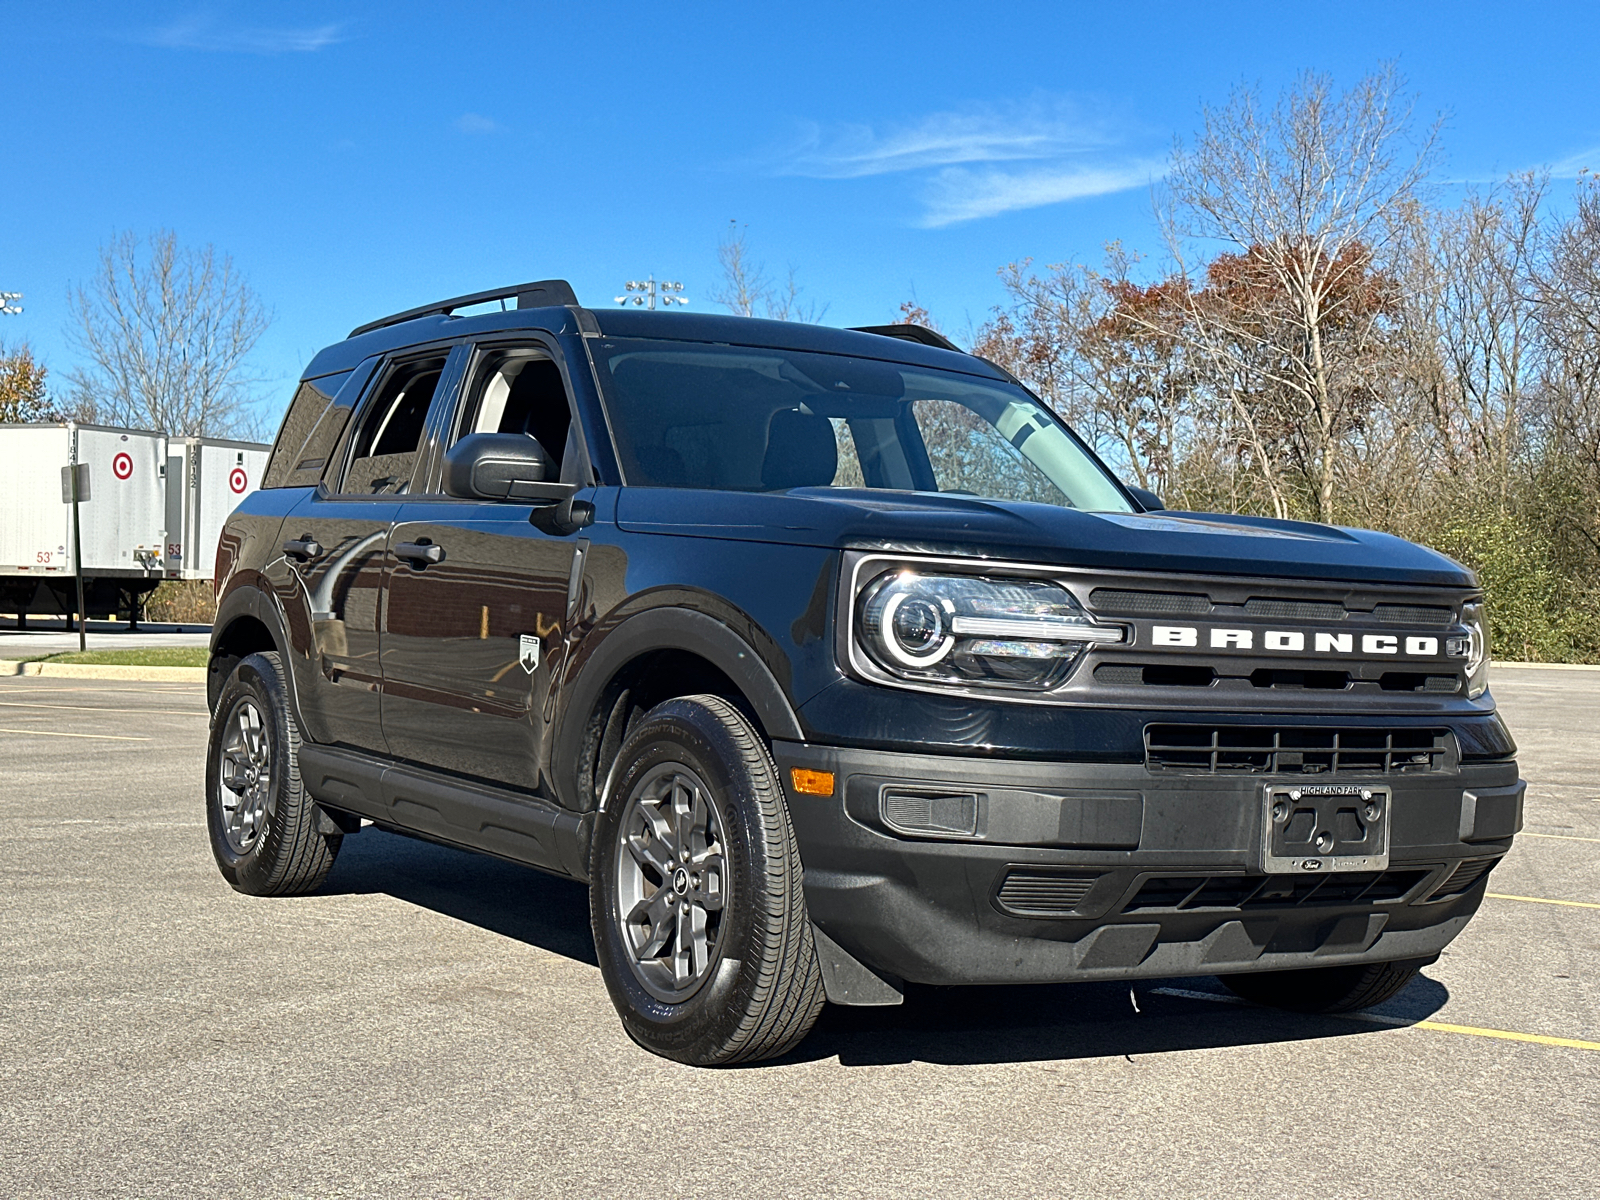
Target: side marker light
(811, 783)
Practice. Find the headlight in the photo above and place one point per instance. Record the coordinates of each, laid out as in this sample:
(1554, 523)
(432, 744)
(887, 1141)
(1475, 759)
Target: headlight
(968, 629)
(1476, 619)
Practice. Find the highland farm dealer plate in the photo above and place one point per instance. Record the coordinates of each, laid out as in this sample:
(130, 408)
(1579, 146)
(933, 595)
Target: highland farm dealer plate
(1325, 827)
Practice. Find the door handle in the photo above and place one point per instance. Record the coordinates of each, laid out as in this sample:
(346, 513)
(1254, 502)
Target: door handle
(306, 547)
(419, 554)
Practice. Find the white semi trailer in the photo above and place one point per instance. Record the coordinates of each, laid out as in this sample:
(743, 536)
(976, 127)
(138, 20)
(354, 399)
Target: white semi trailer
(206, 479)
(150, 508)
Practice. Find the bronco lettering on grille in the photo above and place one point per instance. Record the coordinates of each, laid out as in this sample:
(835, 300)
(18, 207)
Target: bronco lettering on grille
(1294, 641)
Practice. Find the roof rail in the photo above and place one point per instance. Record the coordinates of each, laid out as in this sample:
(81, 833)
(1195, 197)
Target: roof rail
(545, 293)
(911, 333)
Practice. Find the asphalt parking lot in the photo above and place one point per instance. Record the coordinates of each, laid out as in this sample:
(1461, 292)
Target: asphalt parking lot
(433, 1024)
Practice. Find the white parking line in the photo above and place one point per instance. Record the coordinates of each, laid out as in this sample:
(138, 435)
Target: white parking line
(103, 737)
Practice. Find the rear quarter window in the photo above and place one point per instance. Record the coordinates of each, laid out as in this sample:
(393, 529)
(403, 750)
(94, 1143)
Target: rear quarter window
(311, 429)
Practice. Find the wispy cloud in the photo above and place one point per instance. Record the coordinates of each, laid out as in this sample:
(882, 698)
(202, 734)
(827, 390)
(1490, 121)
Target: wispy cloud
(205, 32)
(957, 194)
(1572, 164)
(989, 133)
(1075, 152)
(474, 123)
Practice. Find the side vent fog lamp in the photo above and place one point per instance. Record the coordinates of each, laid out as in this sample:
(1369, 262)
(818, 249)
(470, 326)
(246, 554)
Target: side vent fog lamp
(927, 812)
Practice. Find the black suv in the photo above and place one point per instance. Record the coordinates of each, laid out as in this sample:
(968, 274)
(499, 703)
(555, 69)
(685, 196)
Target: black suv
(833, 660)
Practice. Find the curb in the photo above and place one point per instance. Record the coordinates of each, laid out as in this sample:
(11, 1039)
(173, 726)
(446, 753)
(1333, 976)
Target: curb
(1496, 664)
(106, 671)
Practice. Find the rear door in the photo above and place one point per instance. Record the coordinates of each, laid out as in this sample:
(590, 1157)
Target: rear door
(471, 641)
(333, 551)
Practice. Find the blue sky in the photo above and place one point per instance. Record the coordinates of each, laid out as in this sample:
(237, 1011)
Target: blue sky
(358, 158)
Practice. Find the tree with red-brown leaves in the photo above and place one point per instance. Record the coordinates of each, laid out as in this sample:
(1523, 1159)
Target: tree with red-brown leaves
(1304, 199)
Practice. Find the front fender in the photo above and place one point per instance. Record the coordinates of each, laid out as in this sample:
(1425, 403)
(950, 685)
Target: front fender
(663, 629)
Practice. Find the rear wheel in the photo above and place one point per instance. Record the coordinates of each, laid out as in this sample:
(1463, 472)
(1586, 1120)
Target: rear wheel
(696, 903)
(265, 830)
(1327, 989)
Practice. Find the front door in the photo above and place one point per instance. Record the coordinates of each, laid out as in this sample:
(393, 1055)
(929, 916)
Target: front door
(468, 641)
(476, 595)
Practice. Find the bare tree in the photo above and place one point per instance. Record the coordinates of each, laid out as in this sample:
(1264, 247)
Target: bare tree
(166, 332)
(1472, 307)
(1301, 197)
(747, 291)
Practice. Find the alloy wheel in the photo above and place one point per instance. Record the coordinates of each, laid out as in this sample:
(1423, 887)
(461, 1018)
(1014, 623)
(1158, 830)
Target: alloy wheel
(672, 881)
(244, 781)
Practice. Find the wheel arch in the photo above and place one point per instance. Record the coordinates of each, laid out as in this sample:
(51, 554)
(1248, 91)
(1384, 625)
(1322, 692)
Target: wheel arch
(247, 622)
(650, 657)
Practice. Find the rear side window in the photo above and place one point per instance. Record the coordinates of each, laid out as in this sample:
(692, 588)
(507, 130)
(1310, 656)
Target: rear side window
(384, 451)
(310, 431)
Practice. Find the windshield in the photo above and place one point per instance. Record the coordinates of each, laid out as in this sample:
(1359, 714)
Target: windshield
(736, 418)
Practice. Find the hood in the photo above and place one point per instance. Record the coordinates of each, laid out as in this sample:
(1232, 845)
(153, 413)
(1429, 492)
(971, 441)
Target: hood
(1180, 542)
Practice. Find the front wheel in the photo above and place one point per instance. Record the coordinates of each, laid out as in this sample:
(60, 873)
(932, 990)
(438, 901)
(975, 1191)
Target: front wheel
(1327, 989)
(265, 829)
(696, 903)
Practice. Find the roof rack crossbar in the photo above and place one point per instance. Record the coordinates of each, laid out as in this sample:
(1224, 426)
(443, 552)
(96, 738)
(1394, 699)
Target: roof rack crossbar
(543, 293)
(910, 333)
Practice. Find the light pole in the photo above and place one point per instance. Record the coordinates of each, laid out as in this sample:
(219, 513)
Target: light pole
(644, 292)
(10, 304)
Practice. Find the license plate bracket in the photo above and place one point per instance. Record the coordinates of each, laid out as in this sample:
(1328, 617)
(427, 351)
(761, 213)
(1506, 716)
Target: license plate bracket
(1326, 827)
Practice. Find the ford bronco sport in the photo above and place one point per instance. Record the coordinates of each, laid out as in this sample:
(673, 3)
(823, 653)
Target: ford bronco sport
(833, 660)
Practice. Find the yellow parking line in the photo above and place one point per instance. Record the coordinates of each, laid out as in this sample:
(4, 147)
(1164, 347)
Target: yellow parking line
(103, 737)
(1508, 1035)
(1540, 900)
(1561, 837)
(1402, 1023)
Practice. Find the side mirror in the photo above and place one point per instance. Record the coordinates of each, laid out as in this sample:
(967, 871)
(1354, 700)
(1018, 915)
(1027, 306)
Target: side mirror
(496, 466)
(1147, 499)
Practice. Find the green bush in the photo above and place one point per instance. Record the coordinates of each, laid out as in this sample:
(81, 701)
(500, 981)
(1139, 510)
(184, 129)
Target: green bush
(1537, 613)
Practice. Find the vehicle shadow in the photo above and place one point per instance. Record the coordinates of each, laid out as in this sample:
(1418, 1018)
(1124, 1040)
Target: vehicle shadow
(513, 901)
(1042, 1022)
(951, 1026)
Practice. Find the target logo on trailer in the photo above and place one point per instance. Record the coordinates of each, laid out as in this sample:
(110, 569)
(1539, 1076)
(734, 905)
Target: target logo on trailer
(122, 465)
(238, 481)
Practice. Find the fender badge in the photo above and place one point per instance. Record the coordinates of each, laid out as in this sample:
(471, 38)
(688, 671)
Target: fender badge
(528, 652)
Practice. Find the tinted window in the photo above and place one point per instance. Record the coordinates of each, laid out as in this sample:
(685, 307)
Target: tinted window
(688, 414)
(384, 452)
(310, 431)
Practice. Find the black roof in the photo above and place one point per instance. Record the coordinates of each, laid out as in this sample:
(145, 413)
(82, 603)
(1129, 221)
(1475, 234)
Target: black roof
(434, 323)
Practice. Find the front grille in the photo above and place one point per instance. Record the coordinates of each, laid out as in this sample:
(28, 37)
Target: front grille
(1041, 892)
(1192, 893)
(1274, 750)
(1461, 880)
(1281, 677)
(1413, 614)
(1154, 604)
(1416, 681)
(1294, 610)
(1154, 675)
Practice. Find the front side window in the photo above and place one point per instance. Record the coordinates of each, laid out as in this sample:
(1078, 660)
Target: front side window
(384, 452)
(733, 418)
(520, 390)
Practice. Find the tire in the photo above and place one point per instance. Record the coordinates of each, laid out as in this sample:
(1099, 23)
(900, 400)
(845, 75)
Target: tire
(715, 965)
(1327, 989)
(265, 830)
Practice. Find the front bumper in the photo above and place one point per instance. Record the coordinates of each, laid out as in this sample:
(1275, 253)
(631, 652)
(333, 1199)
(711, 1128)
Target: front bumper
(1036, 872)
